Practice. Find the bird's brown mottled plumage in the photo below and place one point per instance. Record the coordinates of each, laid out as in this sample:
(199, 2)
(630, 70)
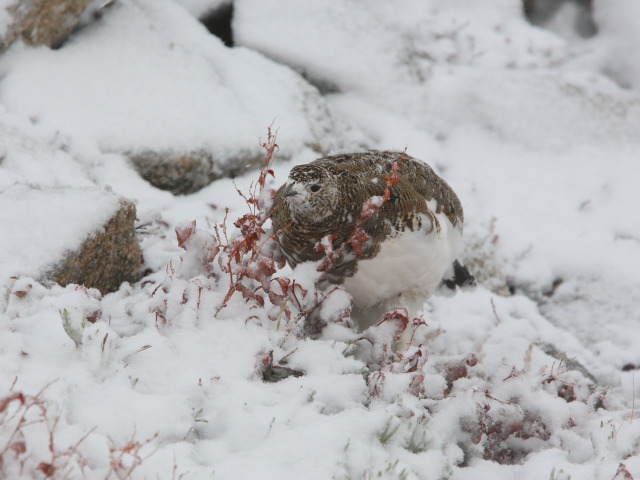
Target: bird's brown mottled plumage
(346, 181)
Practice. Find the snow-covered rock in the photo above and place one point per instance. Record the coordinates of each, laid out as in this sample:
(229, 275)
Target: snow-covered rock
(161, 82)
(69, 235)
(39, 22)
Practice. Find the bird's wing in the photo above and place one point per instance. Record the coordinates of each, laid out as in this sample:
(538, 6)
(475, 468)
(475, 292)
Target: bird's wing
(377, 164)
(404, 210)
(438, 194)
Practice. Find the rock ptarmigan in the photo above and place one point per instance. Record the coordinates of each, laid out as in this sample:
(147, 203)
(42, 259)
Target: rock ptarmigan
(415, 238)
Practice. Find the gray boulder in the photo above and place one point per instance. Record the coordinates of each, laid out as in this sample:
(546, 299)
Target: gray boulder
(182, 173)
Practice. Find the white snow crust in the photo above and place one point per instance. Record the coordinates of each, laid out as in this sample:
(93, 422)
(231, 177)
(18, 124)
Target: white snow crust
(531, 374)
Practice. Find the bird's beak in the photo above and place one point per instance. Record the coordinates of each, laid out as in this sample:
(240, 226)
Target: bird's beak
(289, 191)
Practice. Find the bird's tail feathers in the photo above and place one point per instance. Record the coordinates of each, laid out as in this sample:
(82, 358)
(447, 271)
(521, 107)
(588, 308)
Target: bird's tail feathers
(460, 277)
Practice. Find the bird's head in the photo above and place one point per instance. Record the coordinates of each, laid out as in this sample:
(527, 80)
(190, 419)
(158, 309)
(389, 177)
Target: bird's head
(311, 192)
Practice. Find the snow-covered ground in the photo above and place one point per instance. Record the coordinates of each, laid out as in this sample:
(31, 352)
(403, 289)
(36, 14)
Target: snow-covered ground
(538, 130)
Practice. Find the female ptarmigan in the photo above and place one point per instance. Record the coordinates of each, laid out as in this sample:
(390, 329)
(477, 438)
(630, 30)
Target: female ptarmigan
(415, 237)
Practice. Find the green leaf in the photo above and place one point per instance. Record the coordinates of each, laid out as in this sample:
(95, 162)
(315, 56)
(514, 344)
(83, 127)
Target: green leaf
(73, 322)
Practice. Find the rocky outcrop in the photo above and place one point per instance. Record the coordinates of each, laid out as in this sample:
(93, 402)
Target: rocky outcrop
(42, 22)
(68, 234)
(107, 258)
(184, 173)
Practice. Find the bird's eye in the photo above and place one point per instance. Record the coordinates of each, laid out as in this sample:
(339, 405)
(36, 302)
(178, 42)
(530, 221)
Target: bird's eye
(315, 188)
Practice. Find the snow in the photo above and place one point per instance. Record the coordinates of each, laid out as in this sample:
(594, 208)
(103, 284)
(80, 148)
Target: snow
(617, 52)
(536, 130)
(5, 17)
(211, 100)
